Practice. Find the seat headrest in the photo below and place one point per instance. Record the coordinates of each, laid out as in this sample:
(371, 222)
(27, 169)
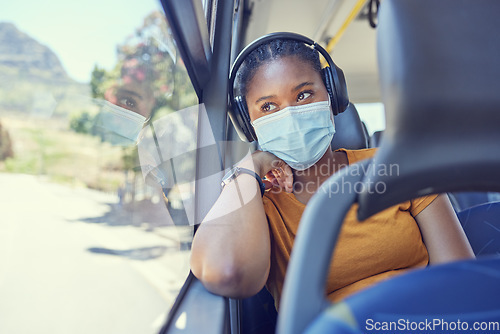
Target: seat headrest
(440, 82)
(350, 132)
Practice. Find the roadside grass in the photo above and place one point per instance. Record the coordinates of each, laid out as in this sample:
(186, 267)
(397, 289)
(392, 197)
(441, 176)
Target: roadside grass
(48, 147)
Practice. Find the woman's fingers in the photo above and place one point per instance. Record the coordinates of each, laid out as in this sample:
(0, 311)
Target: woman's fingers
(270, 180)
(277, 172)
(288, 174)
(267, 184)
(282, 177)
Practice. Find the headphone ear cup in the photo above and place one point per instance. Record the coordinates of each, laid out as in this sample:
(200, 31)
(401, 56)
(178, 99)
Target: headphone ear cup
(243, 118)
(326, 74)
(335, 84)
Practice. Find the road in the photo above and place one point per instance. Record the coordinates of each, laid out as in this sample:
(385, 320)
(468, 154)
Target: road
(67, 267)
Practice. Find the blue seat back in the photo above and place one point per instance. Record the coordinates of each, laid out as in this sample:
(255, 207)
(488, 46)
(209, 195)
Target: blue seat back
(462, 292)
(350, 131)
(482, 226)
(467, 199)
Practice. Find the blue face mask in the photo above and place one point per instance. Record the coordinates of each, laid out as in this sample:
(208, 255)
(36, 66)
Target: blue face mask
(298, 135)
(118, 125)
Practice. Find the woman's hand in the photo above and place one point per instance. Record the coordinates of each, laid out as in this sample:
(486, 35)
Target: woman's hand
(276, 171)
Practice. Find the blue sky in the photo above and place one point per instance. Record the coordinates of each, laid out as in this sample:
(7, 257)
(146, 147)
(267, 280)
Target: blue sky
(81, 33)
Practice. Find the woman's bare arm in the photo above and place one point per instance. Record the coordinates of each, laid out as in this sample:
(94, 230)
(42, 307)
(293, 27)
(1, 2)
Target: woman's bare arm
(442, 233)
(231, 249)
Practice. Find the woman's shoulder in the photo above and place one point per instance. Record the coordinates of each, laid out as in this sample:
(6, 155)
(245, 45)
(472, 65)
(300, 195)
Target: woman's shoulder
(358, 155)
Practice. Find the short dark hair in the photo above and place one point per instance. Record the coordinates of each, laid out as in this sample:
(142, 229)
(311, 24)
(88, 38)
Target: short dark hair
(274, 49)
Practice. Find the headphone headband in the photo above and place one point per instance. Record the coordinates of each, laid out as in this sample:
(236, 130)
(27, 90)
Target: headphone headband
(333, 78)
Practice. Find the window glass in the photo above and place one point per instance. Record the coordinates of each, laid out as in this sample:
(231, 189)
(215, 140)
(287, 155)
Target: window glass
(206, 4)
(373, 115)
(98, 123)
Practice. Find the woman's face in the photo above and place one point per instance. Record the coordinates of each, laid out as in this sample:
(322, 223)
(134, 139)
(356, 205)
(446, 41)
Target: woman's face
(134, 96)
(284, 82)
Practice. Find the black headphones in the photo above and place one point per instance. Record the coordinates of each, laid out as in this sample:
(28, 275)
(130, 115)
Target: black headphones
(333, 77)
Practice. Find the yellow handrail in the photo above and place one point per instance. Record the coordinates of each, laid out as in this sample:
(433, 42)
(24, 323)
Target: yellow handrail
(354, 12)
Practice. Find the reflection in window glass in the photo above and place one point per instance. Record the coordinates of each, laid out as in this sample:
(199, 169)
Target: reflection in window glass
(93, 237)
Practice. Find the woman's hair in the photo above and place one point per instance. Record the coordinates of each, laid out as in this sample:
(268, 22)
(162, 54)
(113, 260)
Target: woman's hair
(273, 50)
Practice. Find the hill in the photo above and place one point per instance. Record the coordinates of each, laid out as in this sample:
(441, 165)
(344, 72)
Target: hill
(33, 78)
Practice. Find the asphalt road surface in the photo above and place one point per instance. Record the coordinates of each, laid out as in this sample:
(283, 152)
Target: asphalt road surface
(71, 261)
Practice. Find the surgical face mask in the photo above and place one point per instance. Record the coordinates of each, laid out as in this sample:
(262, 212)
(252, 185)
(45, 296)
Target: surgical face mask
(118, 125)
(298, 135)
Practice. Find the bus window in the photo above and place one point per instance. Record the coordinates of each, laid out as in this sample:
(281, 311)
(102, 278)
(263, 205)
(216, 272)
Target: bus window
(372, 114)
(91, 241)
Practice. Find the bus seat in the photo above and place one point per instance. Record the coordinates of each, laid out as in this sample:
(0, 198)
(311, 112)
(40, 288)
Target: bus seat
(467, 291)
(464, 200)
(375, 138)
(459, 200)
(441, 100)
(366, 133)
(350, 133)
(482, 226)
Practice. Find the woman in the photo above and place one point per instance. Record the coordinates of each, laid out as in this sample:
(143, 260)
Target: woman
(245, 240)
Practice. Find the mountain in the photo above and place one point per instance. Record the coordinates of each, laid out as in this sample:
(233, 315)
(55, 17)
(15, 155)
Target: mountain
(32, 77)
(18, 50)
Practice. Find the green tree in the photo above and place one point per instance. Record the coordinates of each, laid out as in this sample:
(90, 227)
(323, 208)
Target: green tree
(81, 122)
(96, 81)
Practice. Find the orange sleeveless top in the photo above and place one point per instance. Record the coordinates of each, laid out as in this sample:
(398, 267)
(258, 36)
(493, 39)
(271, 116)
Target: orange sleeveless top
(384, 245)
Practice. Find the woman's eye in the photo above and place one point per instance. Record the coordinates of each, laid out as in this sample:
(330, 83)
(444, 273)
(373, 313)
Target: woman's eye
(303, 96)
(128, 102)
(267, 107)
